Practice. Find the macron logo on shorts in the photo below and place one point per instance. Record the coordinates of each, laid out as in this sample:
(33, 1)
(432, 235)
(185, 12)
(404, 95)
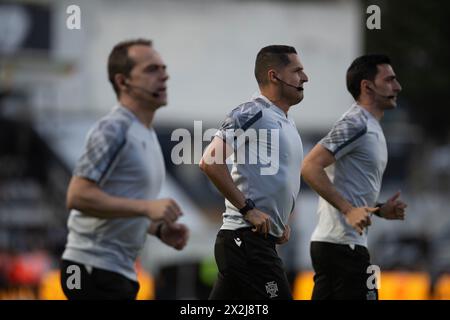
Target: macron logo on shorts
(238, 241)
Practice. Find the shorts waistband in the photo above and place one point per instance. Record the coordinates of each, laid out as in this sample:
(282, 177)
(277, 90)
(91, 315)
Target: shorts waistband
(249, 229)
(340, 245)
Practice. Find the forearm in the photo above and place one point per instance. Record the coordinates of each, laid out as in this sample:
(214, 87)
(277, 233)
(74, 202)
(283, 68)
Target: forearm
(221, 178)
(316, 177)
(95, 202)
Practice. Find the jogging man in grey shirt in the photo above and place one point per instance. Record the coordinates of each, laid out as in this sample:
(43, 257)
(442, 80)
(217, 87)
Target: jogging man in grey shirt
(114, 190)
(346, 168)
(264, 183)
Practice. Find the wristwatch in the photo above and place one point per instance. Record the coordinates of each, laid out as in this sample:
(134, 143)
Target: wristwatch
(158, 231)
(249, 205)
(378, 212)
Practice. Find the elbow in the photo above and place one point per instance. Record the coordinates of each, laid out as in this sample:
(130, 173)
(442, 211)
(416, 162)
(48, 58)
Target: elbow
(203, 165)
(75, 197)
(306, 170)
(70, 195)
(71, 201)
(82, 195)
(80, 202)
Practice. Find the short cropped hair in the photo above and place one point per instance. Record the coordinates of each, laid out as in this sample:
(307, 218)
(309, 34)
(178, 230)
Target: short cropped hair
(120, 62)
(271, 57)
(363, 68)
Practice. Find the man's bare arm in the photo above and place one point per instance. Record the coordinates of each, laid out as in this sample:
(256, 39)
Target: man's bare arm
(313, 172)
(213, 164)
(86, 196)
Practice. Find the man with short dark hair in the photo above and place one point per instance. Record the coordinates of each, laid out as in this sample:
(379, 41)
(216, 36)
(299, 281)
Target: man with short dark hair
(259, 195)
(346, 168)
(113, 194)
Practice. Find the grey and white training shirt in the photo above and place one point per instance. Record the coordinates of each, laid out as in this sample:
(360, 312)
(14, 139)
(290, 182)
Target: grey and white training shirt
(359, 146)
(272, 178)
(124, 158)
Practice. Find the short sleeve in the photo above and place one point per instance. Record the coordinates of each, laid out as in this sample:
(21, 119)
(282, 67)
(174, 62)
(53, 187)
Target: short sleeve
(103, 145)
(344, 136)
(237, 122)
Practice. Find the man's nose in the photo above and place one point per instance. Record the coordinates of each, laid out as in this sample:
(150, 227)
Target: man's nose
(305, 78)
(398, 87)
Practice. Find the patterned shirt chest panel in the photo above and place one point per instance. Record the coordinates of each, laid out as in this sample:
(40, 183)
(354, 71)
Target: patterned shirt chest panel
(141, 165)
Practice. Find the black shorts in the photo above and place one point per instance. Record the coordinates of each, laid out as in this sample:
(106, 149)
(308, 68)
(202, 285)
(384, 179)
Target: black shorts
(341, 272)
(249, 267)
(95, 285)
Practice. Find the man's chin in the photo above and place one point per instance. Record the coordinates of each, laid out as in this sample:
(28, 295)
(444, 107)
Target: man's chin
(160, 104)
(299, 99)
(392, 105)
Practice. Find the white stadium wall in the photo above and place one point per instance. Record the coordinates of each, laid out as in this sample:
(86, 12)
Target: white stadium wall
(210, 48)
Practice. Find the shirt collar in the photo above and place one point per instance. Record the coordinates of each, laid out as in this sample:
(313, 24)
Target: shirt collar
(131, 115)
(367, 113)
(270, 104)
(126, 111)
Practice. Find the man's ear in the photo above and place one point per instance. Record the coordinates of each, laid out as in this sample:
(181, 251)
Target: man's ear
(121, 81)
(272, 75)
(366, 86)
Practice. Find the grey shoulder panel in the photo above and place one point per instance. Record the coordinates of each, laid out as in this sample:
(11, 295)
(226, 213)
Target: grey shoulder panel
(104, 143)
(243, 117)
(346, 130)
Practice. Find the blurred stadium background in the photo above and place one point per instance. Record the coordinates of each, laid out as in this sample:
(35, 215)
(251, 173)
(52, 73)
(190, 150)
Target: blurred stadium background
(53, 87)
